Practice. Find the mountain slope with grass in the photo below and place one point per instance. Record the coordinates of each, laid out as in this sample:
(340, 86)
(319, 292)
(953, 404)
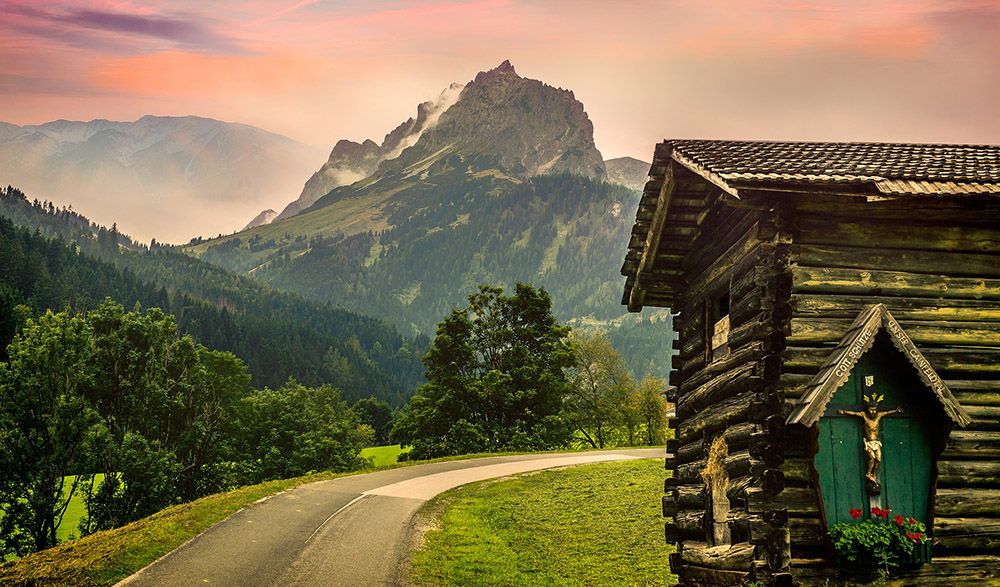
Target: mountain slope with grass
(506, 186)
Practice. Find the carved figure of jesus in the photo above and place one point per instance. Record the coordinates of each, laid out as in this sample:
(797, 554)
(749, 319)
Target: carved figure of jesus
(870, 419)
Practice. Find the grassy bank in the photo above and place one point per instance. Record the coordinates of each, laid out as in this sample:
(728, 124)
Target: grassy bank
(594, 524)
(382, 456)
(106, 557)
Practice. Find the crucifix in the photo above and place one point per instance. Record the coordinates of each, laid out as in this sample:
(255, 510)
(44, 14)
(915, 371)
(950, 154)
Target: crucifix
(870, 419)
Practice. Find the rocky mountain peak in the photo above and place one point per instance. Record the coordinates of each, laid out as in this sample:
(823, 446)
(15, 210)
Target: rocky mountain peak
(519, 125)
(505, 69)
(522, 125)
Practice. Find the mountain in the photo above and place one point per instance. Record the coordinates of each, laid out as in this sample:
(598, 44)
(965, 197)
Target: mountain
(54, 258)
(350, 161)
(265, 217)
(628, 171)
(165, 177)
(507, 186)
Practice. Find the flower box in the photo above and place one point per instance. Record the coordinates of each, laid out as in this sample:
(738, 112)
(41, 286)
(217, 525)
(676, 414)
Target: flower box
(921, 553)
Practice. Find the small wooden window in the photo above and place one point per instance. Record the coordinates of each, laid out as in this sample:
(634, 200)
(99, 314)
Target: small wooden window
(717, 328)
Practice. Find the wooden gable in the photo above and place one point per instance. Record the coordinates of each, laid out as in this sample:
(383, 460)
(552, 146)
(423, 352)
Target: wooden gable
(856, 342)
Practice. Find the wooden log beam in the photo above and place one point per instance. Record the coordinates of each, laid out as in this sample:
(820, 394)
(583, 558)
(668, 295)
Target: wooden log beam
(961, 474)
(968, 502)
(690, 496)
(952, 361)
(973, 444)
(731, 382)
(806, 331)
(967, 533)
(798, 472)
(816, 230)
(902, 308)
(732, 557)
(697, 576)
(892, 283)
(690, 379)
(726, 413)
(945, 571)
(801, 501)
(909, 260)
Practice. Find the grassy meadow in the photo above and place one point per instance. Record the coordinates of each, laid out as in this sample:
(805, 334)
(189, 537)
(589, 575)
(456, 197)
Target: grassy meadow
(596, 524)
(383, 456)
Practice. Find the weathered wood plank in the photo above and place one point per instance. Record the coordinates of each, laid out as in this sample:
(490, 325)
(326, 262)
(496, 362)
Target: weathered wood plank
(892, 283)
(957, 362)
(982, 444)
(822, 330)
(968, 474)
(796, 500)
(815, 230)
(725, 413)
(946, 571)
(967, 533)
(732, 557)
(909, 260)
(967, 501)
(697, 576)
(902, 308)
(798, 472)
(700, 374)
(728, 383)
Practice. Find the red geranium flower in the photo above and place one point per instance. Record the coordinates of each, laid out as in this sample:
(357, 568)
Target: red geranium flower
(916, 537)
(899, 520)
(855, 513)
(911, 520)
(882, 513)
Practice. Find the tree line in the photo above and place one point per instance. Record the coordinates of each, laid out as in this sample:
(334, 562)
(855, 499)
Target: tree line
(120, 408)
(504, 375)
(57, 258)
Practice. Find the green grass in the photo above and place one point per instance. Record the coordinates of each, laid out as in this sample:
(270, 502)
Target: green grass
(70, 526)
(594, 524)
(104, 558)
(383, 456)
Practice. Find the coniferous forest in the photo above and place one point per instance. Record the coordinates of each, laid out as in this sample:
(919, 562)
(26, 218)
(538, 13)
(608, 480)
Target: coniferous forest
(57, 259)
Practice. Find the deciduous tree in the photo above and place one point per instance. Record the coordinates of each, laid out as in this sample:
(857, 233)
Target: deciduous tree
(496, 378)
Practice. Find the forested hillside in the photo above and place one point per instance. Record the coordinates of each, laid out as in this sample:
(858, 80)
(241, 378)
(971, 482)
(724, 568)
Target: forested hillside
(62, 260)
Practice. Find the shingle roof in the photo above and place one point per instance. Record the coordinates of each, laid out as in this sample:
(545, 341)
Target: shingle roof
(874, 171)
(893, 168)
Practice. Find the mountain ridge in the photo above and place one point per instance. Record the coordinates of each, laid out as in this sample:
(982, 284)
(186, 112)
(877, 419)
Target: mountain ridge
(169, 177)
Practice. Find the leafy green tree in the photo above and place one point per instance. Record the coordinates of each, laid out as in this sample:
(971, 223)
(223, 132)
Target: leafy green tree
(653, 409)
(598, 402)
(377, 414)
(294, 430)
(163, 400)
(45, 421)
(496, 378)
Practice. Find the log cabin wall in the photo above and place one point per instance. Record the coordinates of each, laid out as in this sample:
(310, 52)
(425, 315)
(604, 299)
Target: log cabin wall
(935, 263)
(739, 257)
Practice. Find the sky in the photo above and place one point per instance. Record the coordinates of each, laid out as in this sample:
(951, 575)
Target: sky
(319, 71)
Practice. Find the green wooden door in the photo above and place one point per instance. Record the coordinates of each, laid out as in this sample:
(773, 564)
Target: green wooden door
(909, 440)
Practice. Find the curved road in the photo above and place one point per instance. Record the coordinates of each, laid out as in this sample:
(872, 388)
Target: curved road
(351, 531)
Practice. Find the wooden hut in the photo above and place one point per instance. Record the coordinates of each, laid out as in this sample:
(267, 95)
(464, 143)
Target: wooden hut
(808, 278)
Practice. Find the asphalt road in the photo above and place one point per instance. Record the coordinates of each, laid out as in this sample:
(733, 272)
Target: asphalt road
(347, 532)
